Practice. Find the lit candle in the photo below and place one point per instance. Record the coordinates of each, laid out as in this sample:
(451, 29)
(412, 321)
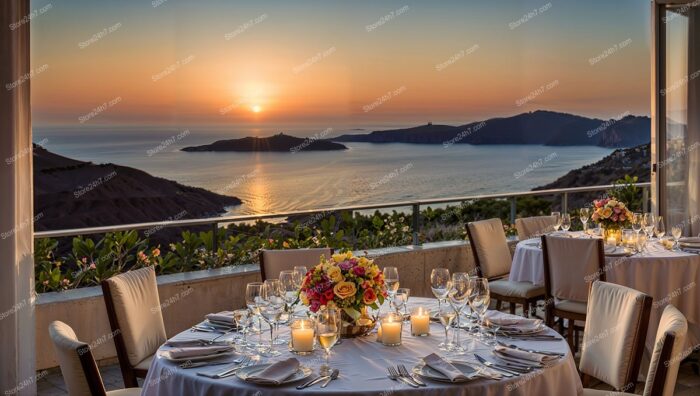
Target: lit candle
(391, 330)
(420, 322)
(612, 240)
(302, 336)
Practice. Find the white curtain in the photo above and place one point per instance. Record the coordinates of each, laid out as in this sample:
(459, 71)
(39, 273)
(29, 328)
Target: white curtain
(17, 354)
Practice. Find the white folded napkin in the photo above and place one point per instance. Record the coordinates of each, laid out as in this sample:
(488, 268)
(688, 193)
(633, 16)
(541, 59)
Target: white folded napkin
(446, 368)
(518, 354)
(512, 323)
(276, 373)
(189, 352)
(193, 343)
(223, 316)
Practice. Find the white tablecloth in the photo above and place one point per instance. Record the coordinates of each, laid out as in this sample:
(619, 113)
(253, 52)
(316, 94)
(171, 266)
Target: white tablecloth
(670, 277)
(363, 362)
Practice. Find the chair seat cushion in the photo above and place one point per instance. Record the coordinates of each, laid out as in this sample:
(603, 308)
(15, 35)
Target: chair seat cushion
(571, 306)
(145, 364)
(125, 392)
(597, 392)
(516, 289)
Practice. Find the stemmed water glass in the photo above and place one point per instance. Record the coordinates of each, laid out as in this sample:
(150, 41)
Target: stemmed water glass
(440, 284)
(557, 220)
(391, 281)
(676, 232)
(401, 300)
(271, 309)
(584, 214)
(566, 222)
(659, 228)
(328, 322)
(290, 283)
(253, 299)
(447, 315)
(479, 299)
(459, 297)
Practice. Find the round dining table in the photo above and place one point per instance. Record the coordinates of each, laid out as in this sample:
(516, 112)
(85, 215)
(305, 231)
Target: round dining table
(363, 363)
(668, 276)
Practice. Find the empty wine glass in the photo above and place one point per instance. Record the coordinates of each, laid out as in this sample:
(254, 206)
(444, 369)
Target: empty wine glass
(440, 284)
(242, 317)
(676, 232)
(660, 228)
(566, 222)
(557, 220)
(648, 222)
(328, 322)
(271, 309)
(459, 297)
(289, 281)
(479, 299)
(253, 299)
(401, 300)
(447, 315)
(391, 281)
(302, 270)
(584, 214)
(637, 222)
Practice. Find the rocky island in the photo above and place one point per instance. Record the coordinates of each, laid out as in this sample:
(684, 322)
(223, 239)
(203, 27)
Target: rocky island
(276, 143)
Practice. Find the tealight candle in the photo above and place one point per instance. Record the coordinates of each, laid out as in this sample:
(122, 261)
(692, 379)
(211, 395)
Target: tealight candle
(611, 240)
(391, 330)
(420, 322)
(302, 336)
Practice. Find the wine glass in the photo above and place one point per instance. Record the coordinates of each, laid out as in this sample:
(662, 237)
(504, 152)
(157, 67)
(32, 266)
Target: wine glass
(440, 284)
(253, 297)
(479, 299)
(242, 317)
(391, 281)
(660, 228)
(271, 309)
(566, 222)
(447, 315)
(289, 281)
(637, 222)
(401, 299)
(459, 297)
(649, 222)
(557, 220)
(676, 232)
(584, 214)
(328, 324)
(302, 270)
(642, 242)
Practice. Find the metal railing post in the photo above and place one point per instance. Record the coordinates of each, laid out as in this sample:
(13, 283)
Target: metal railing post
(416, 223)
(645, 199)
(513, 208)
(215, 237)
(565, 203)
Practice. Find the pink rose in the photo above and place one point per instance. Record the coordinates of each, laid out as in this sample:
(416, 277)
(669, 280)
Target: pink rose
(359, 271)
(315, 305)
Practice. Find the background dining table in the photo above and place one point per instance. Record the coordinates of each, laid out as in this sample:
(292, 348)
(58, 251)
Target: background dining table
(669, 277)
(363, 366)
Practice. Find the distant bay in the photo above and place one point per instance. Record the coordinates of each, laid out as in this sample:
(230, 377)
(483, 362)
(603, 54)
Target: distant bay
(366, 173)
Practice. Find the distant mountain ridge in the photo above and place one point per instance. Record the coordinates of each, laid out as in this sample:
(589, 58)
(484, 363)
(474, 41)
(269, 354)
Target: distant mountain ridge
(540, 127)
(278, 143)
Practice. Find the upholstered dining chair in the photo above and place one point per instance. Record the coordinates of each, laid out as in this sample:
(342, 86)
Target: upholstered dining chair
(78, 366)
(570, 264)
(533, 227)
(272, 262)
(616, 329)
(493, 261)
(133, 309)
(665, 358)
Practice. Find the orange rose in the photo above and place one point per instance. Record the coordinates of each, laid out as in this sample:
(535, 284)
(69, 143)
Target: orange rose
(345, 289)
(369, 296)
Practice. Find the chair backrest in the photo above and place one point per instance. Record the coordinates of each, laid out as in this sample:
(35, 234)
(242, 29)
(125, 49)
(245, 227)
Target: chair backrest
(274, 261)
(667, 354)
(570, 264)
(133, 308)
(490, 247)
(532, 227)
(613, 341)
(78, 366)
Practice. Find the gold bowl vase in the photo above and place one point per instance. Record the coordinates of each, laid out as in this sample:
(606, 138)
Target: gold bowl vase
(352, 328)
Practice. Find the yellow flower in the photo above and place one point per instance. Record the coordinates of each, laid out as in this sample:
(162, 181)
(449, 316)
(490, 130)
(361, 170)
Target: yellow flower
(304, 299)
(348, 255)
(607, 212)
(335, 274)
(338, 257)
(345, 289)
(285, 245)
(373, 271)
(363, 261)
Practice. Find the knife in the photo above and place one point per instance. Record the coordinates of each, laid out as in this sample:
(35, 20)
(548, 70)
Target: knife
(333, 376)
(313, 381)
(531, 350)
(494, 366)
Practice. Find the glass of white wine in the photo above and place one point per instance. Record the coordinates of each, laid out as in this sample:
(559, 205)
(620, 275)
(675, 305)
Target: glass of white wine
(447, 315)
(566, 222)
(557, 220)
(328, 322)
(391, 281)
(676, 232)
(440, 284)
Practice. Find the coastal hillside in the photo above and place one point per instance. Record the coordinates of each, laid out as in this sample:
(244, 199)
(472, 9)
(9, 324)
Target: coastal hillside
(75, 194)
(278, 143)
(538, 127)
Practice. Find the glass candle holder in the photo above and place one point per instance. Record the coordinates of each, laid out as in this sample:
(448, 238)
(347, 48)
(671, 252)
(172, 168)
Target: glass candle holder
(302, 339)
(391, 327)
(629, 238)
(420, 322)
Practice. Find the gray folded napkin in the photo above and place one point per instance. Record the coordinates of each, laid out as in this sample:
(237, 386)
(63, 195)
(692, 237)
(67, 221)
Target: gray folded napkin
(276, 373)
(512, 323)
(223, 316)
(193, 343)
(518, 354)
(446, 368)
(189, 352)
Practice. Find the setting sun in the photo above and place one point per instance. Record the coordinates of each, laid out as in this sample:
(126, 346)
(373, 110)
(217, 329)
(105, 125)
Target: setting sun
(256, 108)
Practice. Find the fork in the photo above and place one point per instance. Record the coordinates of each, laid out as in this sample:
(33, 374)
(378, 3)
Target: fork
(404, 373)
(393, 375)
(227, 373)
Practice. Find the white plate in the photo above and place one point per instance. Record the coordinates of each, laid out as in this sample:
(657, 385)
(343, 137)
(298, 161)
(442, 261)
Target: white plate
(303, 373)
(426, 371)
(166, 355)
(618, 252)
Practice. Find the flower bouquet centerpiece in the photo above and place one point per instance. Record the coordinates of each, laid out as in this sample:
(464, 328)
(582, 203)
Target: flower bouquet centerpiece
(349, 283)
(613, 216)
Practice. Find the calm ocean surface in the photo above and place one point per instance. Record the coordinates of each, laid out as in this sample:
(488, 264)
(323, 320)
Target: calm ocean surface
(367, 173)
